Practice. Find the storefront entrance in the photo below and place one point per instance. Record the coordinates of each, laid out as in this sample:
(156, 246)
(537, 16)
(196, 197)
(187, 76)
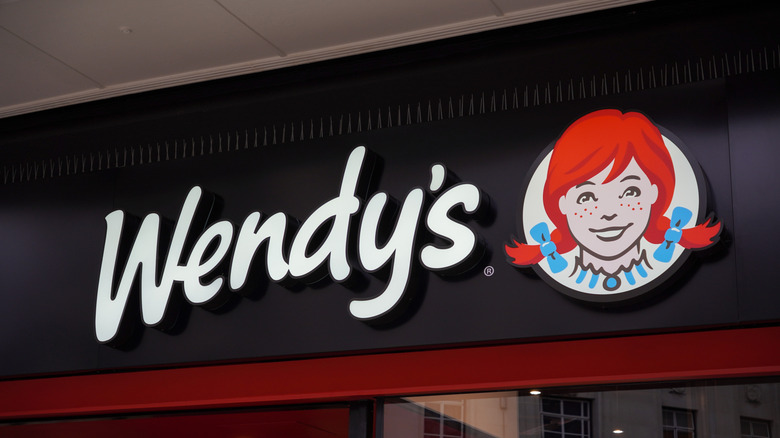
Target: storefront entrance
(746, 408)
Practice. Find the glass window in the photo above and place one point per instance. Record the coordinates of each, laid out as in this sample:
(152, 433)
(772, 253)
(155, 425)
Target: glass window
(751, 428)
(440, 419)
(565, 418)
(678, 423)
(674, 410)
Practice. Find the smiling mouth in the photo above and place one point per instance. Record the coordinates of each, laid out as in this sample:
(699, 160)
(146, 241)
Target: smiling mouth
(610, 234)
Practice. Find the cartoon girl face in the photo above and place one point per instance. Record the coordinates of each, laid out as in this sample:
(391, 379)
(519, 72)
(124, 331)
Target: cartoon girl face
(608, 218)
(616, 198)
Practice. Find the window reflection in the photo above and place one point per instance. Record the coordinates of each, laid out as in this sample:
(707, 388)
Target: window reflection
(752, 428)
(748, 410)
(678, 423)
(565, 418)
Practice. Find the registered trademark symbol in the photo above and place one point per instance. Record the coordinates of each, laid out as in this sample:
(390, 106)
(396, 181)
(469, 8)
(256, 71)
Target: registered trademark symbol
(489, 271)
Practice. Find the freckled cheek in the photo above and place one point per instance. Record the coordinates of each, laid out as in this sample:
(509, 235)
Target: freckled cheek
(632, 206)
(584, 212)
(636, 213)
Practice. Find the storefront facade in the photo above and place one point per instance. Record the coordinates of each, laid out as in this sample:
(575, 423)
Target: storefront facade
(308, 246)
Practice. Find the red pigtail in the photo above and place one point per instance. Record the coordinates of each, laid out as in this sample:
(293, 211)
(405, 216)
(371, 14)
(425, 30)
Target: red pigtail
(702, 235)
(699, 237)
(523, 254)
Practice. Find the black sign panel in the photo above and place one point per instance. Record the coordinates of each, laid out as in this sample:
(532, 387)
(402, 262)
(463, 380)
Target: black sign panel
(54, 230)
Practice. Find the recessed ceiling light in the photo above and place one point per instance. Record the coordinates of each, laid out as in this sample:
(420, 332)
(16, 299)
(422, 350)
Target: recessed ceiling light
(617, 431)
(535, 392)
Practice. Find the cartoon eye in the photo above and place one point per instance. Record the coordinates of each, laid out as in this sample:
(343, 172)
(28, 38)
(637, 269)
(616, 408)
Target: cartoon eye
(586, 197)
(631, 192)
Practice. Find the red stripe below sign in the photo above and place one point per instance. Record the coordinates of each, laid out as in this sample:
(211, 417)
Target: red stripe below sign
(696, 355)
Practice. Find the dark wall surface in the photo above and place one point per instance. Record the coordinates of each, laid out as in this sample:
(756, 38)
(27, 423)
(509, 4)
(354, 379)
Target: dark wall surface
(484, 106)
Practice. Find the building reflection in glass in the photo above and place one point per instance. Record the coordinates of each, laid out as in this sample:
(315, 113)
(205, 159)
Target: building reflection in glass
(678, 410)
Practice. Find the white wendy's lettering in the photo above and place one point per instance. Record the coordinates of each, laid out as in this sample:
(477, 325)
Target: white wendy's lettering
(310, 255)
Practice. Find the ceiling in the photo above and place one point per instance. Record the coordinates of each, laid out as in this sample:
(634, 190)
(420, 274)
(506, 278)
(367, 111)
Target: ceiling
(55, 53)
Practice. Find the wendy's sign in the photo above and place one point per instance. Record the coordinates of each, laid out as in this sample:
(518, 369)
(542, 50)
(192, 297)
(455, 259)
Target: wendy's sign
(210, 259)
(612, 209)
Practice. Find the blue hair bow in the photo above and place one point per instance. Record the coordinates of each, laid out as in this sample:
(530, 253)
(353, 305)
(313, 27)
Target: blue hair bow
(680, 217)
(541, 234)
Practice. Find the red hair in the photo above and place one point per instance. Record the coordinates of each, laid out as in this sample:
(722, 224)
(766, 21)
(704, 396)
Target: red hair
(587, 147)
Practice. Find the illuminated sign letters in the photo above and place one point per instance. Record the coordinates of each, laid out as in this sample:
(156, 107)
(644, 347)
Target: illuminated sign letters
(319, 247)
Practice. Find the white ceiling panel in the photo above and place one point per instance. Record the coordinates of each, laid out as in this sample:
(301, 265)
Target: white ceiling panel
(27, 73)
(59, 52)
(165, 37)
(304, 25)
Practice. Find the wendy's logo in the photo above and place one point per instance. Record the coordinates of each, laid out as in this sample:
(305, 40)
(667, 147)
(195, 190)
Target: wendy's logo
(611, 209)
